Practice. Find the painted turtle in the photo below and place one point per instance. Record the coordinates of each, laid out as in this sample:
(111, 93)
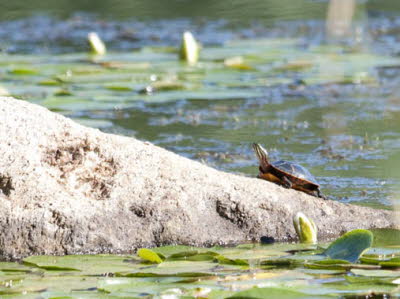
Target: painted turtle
(287, 174)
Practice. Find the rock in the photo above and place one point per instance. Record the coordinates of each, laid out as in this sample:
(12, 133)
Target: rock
(68, 189)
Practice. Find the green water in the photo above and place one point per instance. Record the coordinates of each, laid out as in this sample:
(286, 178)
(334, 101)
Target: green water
(331, 104)
(340, 121)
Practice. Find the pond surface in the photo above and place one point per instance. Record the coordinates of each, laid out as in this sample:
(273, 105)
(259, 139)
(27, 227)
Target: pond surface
(244, 271)
(268, 73)
(330, 104)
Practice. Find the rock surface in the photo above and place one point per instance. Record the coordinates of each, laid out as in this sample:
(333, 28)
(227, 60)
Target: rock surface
(67, 189)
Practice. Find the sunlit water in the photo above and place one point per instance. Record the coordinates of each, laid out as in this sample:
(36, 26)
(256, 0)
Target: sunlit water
(342, 124)
(347, 135)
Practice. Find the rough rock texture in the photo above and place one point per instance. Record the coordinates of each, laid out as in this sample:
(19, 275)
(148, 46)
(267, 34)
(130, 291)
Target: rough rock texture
(65, 189)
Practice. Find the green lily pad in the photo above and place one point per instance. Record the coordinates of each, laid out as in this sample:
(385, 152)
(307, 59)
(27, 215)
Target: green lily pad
(119, 88)
(283, 293)
(193, 255)
(340, 266)
(375, 273)
(83, 264)
(392, 263)
(63, 92)
(350, 246)
(23, 71)
(223, 260)
(169, 250)
(49, 82)
(386, 237)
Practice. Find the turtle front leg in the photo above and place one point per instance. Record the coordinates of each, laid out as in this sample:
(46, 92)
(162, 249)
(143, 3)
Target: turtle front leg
(286, 182)
(320, 195)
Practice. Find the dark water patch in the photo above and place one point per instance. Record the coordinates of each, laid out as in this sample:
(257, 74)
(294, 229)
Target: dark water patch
(42, 32)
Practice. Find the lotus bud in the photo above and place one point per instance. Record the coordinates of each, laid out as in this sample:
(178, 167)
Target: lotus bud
(96, 44)
(305, 228)
(190, 49)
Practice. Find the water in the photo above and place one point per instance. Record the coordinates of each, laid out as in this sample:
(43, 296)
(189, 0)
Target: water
(329, 103)
(345, 134)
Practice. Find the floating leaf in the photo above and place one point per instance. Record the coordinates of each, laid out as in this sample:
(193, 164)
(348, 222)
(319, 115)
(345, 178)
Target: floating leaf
(63, 92)
(386, 237)
(350, 246)
(375, 273)
(331, 262)
(150, 256)
(237, 62)
(193, 255)
(23, 71)
(295, 65)
(223, 260)
(392, 263)
(262, 293)
(49, 82)
(169, 250)
(151, 274)
(86, 264)
(119, 88)
(14, 267)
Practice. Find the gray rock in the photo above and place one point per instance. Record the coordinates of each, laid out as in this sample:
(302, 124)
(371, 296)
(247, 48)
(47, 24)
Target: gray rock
(69, 189)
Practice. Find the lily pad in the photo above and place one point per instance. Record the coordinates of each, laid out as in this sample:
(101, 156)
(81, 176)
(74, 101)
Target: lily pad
(392, 263)
(376, 273)
(283, 293)
(350, 246)
(386, 237)
(23, 71)
(83, 264)
(223, 260)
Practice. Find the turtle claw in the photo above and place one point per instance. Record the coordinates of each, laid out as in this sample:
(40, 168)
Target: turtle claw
(320, 195)
(287, 183)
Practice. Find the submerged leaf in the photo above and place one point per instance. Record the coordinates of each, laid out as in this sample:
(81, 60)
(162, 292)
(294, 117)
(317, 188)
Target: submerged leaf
(350, 246)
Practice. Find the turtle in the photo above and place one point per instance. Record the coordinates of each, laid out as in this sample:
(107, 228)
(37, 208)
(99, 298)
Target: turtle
(287, 174)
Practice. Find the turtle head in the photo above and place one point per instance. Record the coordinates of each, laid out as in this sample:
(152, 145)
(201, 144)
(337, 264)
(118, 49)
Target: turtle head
(262, 155)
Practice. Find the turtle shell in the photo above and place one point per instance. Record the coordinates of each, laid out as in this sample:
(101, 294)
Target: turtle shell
(296, 171)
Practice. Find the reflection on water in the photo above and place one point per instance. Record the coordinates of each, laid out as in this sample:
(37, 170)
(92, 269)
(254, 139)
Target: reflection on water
(302, 100)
